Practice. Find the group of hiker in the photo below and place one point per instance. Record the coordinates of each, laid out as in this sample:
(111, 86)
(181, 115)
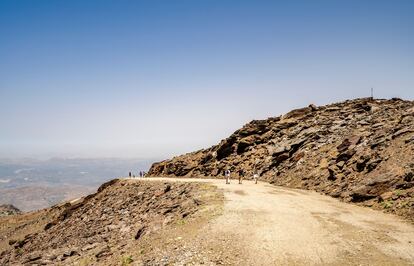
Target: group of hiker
(140, 174)
(240, 175)
(227, 174)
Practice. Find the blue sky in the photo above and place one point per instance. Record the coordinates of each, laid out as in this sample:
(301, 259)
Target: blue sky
(158, 78)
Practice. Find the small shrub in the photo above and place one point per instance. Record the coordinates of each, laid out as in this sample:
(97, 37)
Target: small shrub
(19, 251)
(387, 204)
(127, 260)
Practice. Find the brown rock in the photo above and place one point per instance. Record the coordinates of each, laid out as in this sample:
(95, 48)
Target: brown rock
(386, 195)
(359, 140)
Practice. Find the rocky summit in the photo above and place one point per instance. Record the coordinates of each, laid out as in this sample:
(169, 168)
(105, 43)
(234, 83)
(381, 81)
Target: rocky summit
(360, 151)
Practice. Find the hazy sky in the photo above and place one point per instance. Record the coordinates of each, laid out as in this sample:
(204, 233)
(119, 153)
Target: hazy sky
(158, 78)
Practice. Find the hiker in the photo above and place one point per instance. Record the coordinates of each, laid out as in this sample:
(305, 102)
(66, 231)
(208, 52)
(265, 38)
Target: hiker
(255, 171)
(255, 177)
(140, 173)
(227, 175)
(130, 174)
(241, 175)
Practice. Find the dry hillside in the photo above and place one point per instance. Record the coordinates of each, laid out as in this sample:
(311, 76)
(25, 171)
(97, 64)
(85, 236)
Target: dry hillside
(361, 151)
(123, 223)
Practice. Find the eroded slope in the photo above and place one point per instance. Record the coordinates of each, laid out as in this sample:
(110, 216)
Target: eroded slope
(361, 151)
(105, 228)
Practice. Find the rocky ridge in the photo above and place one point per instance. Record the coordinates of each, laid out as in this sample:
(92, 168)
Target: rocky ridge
(360, 151)
(105, 228)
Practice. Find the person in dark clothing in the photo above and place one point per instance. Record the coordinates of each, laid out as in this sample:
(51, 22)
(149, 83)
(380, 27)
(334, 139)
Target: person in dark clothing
(241, 175)
(130, 174)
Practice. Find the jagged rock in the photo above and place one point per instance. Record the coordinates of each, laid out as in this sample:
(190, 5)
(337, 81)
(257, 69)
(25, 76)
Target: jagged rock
(401, 132)
(298, 112)
(349, 143)
(408, 177)
(313, 107)
(246, 142)
(386, 195)
(280, 157)
(332, 174)
(362, 162)
(409, 140)
(374, 188)
(346, 155)
(371, 165)
(226, 148)
(139, 233)
(32, 257)
(90, 246)
(105, 251)
(70, 253)
(340, 164)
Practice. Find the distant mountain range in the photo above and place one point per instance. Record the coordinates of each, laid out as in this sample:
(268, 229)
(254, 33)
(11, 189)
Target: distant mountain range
(31, 184)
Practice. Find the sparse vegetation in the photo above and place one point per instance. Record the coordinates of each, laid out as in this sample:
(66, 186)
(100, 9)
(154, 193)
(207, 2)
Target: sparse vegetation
(387, 204)
(127, 260)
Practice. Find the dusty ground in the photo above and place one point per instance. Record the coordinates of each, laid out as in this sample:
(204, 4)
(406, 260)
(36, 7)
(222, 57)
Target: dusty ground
(257, 225)
(267, 225)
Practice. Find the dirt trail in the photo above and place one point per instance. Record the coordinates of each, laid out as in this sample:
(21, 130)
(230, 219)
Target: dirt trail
(266, 225)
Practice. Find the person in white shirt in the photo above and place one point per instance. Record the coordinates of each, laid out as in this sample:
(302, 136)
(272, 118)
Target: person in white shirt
(255, 177)
(227, 175)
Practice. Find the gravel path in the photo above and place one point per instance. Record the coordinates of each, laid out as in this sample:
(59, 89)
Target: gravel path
(268, 225)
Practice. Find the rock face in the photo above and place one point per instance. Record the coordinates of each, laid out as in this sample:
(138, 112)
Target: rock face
(359, 150)
(8, 209)
(98, 229)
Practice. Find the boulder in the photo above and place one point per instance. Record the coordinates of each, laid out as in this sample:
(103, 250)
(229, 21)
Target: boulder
(245, 143)
(374, 188)
(225, 148)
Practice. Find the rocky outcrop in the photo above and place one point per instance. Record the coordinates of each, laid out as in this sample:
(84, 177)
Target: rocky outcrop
(359, 150)
(98, 229)
(8, 209)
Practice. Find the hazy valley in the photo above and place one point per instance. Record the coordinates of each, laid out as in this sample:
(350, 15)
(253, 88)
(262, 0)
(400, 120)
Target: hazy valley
(32, 184)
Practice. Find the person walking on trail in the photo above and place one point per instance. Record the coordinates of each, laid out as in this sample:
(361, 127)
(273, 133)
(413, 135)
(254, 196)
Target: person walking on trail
(241, 175)
(227, 175)
(255, 172)
(130, 174)
(255, 177)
